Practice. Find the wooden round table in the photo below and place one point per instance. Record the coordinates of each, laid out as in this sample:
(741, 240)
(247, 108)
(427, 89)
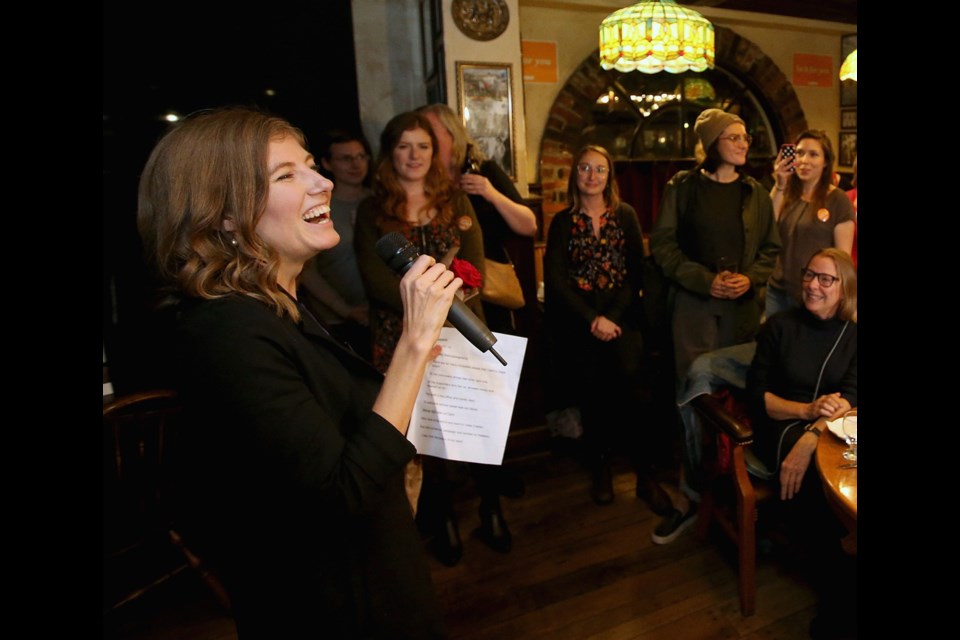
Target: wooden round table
(840, 485)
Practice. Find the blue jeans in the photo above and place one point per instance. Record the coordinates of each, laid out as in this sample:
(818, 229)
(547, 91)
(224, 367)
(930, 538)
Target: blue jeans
(779, 300)
(710, 372)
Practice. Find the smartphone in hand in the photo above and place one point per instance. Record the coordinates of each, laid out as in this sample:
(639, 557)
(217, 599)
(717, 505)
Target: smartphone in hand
(787, 151)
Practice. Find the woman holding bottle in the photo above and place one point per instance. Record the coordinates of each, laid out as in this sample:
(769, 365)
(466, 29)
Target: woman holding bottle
(495, 199)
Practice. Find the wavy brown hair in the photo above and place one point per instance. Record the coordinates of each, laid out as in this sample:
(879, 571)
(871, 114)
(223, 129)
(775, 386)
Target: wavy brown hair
(794, 189)
(438, 189)
(848, 280)
(461, 138)
(611, 192)
(211, 167)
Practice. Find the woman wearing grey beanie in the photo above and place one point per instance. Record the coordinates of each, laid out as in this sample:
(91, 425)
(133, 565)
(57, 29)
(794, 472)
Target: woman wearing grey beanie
(716, 241)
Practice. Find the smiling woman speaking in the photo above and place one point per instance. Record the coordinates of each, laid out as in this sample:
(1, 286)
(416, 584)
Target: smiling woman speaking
(293, 447)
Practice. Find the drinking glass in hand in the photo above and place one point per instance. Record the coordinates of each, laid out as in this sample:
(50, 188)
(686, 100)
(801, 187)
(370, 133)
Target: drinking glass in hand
(850, 431)
(726, 267)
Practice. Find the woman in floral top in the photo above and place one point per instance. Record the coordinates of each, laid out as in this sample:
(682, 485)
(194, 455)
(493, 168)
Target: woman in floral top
(592, 313)
(414, 196)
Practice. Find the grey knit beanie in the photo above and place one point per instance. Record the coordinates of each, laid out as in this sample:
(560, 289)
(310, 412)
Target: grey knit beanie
(711, 123)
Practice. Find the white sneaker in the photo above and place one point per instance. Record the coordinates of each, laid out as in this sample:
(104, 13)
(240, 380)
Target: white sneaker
(673, 525)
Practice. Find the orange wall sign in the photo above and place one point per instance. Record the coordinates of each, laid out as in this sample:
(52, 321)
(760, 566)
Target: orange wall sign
(811, 70)
(539, 60)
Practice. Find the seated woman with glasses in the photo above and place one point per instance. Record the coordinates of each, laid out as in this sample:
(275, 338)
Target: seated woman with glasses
(811, 214)
(592, 314)
(716, 242)
(805, 372)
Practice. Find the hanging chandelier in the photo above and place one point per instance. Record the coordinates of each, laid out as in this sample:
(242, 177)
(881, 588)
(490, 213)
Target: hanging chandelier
(848, 70)
(654, 36)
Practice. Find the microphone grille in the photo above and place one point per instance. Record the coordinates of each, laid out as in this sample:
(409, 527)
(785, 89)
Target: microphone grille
(396, 250)
(390, 244)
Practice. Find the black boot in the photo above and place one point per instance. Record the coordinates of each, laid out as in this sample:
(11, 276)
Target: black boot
(493, 530)
(602, 489)
(446, 544)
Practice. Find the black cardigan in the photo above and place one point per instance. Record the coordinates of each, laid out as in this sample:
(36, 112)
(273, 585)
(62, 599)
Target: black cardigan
(292, 485)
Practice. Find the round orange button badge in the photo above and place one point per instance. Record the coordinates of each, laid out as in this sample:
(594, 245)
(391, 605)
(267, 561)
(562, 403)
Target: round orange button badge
(823, 215)
(464, 223)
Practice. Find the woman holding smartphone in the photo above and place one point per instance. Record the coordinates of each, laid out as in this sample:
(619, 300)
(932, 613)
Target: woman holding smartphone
(811, 213)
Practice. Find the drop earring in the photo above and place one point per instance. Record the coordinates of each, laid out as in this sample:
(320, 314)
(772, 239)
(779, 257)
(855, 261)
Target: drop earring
(234, 242)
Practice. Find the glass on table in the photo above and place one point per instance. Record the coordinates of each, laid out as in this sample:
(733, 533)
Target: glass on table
(849, 427)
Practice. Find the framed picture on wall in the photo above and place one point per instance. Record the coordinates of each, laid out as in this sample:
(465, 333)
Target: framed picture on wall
(848, 118)
(848, 88)
(847, 149)
(485, 99)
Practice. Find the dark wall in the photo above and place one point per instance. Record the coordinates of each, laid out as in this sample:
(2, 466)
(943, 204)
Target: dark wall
(206, 53)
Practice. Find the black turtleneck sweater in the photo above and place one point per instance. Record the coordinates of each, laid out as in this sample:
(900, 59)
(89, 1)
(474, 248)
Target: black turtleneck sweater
(791, 349)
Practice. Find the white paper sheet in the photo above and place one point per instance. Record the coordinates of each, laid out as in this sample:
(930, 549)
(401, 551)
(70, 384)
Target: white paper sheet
(466, 400)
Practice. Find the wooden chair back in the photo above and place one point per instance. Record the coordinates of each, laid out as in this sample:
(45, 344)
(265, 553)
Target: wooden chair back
(141, 548)
(726, 476)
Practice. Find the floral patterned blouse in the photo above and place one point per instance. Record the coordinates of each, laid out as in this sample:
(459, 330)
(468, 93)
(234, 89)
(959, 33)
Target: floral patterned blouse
(597, 262)
(433, 238)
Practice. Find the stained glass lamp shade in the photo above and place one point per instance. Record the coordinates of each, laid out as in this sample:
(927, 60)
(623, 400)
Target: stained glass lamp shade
(656, 36)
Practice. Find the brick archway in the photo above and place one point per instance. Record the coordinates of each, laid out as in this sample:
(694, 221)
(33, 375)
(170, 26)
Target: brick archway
(570, 113)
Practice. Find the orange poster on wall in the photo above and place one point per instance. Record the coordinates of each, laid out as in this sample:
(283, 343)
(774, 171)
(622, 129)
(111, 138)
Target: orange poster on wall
(539, 60)
(811, 70)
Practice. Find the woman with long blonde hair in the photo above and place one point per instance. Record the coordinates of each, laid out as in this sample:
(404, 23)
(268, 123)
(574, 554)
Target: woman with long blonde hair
(496, 201)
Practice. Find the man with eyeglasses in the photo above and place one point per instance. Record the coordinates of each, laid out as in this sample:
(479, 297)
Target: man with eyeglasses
(331, 281)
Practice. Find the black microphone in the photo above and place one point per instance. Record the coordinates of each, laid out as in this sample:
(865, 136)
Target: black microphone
(399, 254)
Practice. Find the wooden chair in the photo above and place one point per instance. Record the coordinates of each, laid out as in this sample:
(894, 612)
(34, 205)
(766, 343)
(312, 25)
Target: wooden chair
(141, 549)
(732, 471)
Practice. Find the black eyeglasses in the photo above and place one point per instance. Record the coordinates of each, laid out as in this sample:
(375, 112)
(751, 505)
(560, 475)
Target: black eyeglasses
(825, 279)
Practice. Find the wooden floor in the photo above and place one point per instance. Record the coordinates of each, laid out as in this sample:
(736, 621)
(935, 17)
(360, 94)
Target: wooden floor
(576, 571)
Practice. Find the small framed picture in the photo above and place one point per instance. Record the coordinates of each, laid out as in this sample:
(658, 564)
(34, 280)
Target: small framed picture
(848, 118)
(486, 106)
(847, 150)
